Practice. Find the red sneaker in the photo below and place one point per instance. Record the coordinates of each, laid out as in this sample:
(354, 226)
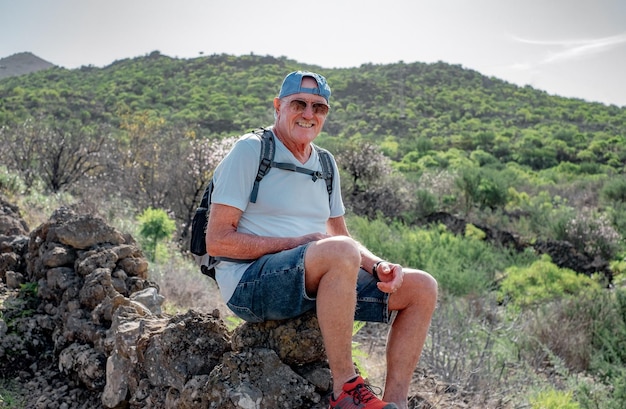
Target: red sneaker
(357, 395)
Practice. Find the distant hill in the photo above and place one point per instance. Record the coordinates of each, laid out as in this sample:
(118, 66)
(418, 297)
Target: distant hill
(422, 115)
(22, 63)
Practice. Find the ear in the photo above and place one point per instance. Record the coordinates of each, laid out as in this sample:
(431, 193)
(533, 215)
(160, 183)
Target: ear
(277, 104)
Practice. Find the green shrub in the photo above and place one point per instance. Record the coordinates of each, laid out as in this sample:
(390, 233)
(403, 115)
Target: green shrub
(556, 223)
(475, 232)
(436, 190)
(10, 183)
(553, 399)
(617, 215)
(461, 265)
(591, 329)
(544, 215)
(540, 282)
(608, 310)
(592, 394)
(155, 225)
(614, 190)
(425, 204)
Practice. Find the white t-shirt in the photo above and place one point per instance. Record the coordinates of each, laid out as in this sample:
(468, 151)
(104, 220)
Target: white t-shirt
(288, 204)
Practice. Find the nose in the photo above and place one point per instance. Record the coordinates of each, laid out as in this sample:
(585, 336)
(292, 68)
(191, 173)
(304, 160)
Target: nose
(308, 111)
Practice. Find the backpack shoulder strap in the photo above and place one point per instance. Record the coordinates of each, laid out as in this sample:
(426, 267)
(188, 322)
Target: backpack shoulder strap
(268, 149)
(328, 169)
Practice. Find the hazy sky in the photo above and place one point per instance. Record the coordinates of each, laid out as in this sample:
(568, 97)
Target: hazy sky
(573, 48)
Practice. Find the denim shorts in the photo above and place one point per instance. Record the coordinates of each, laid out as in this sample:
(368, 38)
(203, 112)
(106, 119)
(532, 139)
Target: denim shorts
(272, 288)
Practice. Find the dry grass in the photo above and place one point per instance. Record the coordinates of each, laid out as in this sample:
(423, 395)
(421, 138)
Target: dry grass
(185, 287)
(454, 372)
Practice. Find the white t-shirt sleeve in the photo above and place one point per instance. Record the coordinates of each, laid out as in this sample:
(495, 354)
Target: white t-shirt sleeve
(234, 176)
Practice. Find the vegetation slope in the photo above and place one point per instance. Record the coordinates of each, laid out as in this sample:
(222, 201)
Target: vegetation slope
(412, 140)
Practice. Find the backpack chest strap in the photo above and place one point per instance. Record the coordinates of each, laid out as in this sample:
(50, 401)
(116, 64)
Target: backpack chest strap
(266, 162)
(315, 174)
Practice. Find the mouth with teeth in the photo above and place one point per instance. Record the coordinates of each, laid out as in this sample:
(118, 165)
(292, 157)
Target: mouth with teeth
(305, 125)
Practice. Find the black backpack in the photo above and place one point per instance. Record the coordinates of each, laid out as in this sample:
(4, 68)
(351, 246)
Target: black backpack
(268, 149)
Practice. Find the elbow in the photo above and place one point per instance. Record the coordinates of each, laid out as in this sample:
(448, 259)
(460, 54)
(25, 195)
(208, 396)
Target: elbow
(212, 249)
(212, 246)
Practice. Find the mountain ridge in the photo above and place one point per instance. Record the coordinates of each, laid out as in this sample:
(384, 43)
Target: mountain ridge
(21, 64)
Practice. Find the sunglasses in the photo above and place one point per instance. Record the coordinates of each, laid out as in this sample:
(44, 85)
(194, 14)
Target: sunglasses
(299, 106)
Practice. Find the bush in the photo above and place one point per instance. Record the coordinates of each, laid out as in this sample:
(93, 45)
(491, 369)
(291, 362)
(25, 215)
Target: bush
(11, 395)
(617, 215)
(570, 345)
(472, 348)
(425, 204)
(592, 233)
(185, 287)
(589, 338)
(614, 190)
(436, 190)
(553, 399)
(591, 394)
(461, 265)
(155, 225)
(10, 182)
(608, 310)
(540, 282)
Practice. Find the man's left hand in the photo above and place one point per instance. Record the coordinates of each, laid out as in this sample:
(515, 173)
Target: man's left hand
(390, 276)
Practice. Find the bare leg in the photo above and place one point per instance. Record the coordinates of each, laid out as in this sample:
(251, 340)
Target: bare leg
(332, 267)
(415, 302)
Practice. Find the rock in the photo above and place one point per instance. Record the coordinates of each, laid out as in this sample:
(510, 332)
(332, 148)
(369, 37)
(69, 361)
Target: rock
(257, 378)
(8, 262)
(86, 363)
(117, 383)
(13, 279)
(85, 231)
(564, 255)
(95, 330)
(190, 344)
(150, 298)
(11, 224)
(297, 341)
(56, 255)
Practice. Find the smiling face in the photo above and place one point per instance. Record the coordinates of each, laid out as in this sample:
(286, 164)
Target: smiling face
(300, 117)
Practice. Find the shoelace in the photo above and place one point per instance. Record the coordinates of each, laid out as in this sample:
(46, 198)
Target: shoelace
(362, 393)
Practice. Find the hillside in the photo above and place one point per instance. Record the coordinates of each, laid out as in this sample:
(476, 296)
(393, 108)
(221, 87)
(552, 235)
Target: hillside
(424, 119)
(513, 199)
(413, 107)
(21, 64)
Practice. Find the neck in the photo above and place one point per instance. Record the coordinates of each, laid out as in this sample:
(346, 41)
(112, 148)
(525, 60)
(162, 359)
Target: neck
(302, 152)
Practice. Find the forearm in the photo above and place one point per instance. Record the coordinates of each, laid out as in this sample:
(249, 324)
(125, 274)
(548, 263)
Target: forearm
(244, 246)
(368, 259)
(224, 239)
(388, 275)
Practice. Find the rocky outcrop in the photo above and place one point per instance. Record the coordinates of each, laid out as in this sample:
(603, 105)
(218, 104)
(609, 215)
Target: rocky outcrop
(13, 245)
(562, 253)
(86, 329)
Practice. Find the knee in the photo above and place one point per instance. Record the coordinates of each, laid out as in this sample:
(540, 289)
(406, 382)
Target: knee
(431, 287)
(424, 287)
(342, 249)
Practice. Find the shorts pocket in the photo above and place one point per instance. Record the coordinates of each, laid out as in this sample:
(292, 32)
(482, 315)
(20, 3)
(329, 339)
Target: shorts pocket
(242, 302)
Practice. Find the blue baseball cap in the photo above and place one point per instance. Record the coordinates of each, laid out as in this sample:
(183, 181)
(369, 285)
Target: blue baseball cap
(292, 84)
